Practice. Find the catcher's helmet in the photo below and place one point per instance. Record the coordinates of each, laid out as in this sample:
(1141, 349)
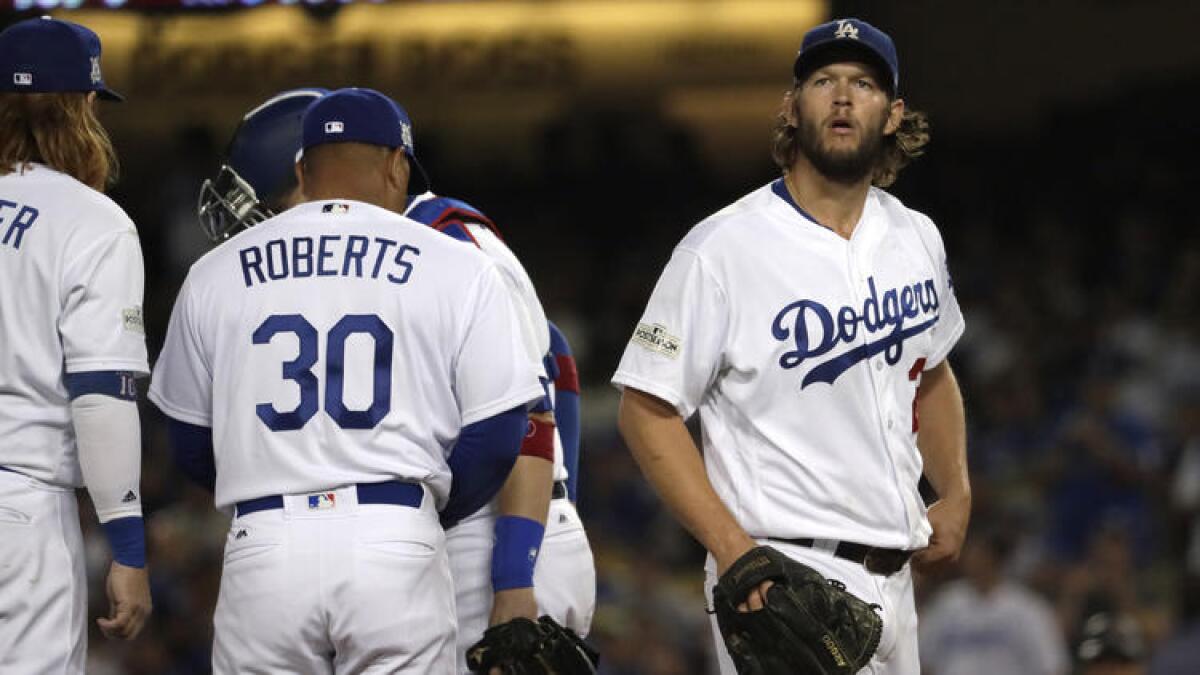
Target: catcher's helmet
(258, 166)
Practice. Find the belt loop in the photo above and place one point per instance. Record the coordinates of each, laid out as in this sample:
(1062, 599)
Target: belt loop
(827, 545)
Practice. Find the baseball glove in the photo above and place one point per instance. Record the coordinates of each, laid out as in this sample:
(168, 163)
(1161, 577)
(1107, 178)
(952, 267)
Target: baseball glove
(809, 625)
(522, 647)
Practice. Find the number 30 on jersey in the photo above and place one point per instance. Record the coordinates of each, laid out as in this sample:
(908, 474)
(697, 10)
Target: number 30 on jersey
(299, 370)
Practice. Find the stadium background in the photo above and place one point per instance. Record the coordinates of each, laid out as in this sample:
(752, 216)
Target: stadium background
(596, 132)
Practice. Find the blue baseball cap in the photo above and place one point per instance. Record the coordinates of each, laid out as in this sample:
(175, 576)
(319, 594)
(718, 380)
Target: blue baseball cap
(358, 115)
(48, 55)
(842, 36)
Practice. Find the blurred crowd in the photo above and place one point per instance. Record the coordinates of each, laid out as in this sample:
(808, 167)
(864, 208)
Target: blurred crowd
(1076, 257)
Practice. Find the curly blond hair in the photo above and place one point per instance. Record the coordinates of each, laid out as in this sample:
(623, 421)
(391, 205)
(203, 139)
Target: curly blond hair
(59, 130)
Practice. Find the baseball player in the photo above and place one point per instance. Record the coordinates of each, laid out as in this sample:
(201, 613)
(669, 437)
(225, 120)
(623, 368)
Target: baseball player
(71, 344)
(809, 324)
(496, 578)
(352, 373)
(257, 181)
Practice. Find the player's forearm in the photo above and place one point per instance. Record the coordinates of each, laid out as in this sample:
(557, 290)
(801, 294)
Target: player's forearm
(942, 438)
(670, 460)
(522, 506)
(526, 492)
(108, 438)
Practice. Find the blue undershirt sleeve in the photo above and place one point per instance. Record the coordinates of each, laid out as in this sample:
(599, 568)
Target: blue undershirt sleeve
(192, 447)
(481, 461)
(566, 406)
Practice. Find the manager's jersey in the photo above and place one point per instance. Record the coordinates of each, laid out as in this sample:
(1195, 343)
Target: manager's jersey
(71, 282)
(340, 343)
(803, 352)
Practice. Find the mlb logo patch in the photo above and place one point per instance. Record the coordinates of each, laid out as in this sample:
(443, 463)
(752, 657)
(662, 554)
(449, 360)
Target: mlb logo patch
(23, 79)
(334, 127)
(336, 207)
(323, 501)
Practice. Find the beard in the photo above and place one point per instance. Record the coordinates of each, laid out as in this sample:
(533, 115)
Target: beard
(842, 166)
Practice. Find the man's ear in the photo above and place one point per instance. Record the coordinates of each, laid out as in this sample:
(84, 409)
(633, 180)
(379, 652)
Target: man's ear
(895, 117)
(298, 167)
(787, 108)
(398, 170)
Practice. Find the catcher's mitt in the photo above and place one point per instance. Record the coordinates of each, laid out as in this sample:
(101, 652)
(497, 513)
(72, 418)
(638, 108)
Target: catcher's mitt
(522, 647)
(809, 625)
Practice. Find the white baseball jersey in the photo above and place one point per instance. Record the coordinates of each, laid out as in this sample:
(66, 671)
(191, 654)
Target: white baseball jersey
(565, 575)
(340, 343)
(70, 301)
(803, 352)
(534, 329)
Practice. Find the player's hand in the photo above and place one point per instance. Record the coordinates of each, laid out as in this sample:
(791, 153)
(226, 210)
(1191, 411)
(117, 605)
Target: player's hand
(128, 602)
(949, 518)
(757, 599)
(513, 603)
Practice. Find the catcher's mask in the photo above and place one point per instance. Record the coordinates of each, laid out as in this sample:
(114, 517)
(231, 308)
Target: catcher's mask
(228, 204)
(259, 165)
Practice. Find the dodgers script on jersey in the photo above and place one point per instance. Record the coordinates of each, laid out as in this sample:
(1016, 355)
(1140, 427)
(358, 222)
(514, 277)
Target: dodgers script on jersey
(285, 340)
(805, 385)
(71, 275)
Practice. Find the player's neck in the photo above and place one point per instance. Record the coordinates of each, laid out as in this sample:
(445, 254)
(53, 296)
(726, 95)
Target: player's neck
(835, 204)
(348, 190)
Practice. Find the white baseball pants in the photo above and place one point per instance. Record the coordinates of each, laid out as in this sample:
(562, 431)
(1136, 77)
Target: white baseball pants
(335, 587)
(43, 585)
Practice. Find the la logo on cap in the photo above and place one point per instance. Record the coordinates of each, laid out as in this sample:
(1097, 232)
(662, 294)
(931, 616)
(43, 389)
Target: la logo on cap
(334, 127)
(846, 29)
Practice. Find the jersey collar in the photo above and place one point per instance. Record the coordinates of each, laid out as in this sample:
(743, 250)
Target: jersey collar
(781, 191)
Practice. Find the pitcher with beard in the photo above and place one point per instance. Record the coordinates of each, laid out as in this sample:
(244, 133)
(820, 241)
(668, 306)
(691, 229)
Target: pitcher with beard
(809, 325)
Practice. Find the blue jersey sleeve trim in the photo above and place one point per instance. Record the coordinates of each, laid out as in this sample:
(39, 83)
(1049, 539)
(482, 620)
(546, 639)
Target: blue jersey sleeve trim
(481, 461)
(192, 447)
(127, 537)
(115, 383)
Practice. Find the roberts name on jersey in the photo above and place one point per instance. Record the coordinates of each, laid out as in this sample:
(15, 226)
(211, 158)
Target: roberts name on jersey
(328, 255)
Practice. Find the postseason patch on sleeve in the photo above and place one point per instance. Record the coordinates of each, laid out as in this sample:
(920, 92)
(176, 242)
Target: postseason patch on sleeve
(131, 319)
(655, 338)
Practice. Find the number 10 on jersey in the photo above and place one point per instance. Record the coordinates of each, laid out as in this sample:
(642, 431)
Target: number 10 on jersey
(299, 370)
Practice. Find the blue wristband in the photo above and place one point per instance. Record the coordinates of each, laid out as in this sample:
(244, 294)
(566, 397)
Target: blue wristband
(518, 541)
(127, 537)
